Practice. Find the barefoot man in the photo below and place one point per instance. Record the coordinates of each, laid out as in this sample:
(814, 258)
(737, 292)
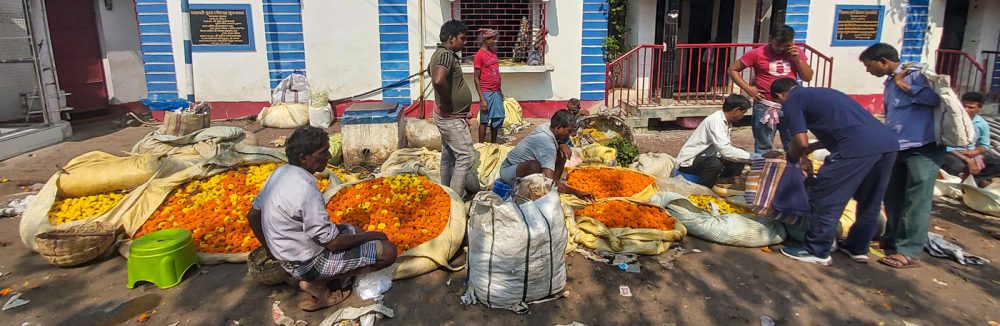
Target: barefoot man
(290, 220)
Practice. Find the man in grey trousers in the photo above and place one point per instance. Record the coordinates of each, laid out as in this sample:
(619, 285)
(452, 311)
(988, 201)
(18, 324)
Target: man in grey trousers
(452, 100)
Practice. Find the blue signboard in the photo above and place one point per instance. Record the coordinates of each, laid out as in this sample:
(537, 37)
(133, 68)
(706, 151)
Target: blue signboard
(857, 25)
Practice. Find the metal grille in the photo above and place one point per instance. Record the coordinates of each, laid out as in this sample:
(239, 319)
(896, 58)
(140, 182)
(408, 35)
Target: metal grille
(513, 42)
(17, 61)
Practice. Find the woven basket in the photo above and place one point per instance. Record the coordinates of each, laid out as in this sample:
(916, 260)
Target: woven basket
(267, 271)
(76, 245)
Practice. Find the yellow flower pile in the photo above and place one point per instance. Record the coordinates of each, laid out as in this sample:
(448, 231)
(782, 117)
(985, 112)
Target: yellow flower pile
(705, 202)
(74, 209)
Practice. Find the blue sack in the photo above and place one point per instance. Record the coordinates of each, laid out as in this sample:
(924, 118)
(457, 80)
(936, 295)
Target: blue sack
(156, 104)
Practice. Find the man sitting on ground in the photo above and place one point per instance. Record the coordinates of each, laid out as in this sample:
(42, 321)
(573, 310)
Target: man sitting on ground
(290, 220)
(709, 152)
(975, 159)
(539, 153)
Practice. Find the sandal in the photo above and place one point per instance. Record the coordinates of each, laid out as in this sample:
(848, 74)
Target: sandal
(313, 304)
(899, 261)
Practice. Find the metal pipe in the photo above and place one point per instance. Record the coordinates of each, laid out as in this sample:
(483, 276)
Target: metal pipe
(188, 56)
(420, 17)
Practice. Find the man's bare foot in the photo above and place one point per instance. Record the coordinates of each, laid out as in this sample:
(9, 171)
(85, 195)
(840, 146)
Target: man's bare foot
(332, 299)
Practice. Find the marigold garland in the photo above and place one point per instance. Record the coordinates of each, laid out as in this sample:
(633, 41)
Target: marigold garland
(607, 182)
(621, 214)
(409, 209)
(705, 202)
(80, 208)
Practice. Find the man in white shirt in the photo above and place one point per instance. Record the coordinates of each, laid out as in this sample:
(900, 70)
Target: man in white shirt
(709, 152)
(289, 219)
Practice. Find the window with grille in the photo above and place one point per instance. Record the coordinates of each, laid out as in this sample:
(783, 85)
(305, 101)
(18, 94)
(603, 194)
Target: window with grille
(520, 25)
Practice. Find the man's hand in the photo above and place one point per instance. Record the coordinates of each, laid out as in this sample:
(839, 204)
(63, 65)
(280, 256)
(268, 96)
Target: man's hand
(972, 167)
(807, 166)
(755, 93)
(483, 108)
(565, 151)
(793, 52)
(584, 195)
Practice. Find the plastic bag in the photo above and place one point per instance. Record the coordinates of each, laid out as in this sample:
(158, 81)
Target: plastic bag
(372, 285)
(422, 133)
(599, 154)
(321, 117)
(516, 248)
(99, 172)
(284, 115)
(292, 89)
(659, 165)
(336, 149)
(743, 230)
(319, 98)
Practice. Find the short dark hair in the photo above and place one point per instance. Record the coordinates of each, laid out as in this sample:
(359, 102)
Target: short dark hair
(563, 118)
(782, 85)
(976, 97)
(304, 141)
(573, 102)
(879, 52)
(735, 101)
(451, 29)
(784, 33)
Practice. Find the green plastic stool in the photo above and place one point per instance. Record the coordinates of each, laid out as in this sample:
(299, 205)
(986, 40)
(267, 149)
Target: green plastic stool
(161, 257)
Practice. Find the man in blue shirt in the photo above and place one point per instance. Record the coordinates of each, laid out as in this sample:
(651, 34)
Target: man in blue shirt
(862, 152)
(975, 159)
(910, 102)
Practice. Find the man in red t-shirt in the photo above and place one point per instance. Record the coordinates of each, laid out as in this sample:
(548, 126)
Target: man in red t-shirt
(778, 59)
(487, 77)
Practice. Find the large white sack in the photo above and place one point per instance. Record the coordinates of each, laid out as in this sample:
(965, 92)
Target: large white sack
(516, 248)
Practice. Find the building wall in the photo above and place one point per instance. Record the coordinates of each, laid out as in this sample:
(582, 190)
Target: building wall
(849, 75)
(344, 63)
(983, 28)
(126, 80)
(564, 20)
(228, 76)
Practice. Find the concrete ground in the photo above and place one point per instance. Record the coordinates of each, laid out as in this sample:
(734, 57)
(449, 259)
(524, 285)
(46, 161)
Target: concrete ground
(721, 285)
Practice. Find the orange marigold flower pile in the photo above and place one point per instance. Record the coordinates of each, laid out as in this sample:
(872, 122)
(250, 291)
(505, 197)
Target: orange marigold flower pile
(409, 209)
(620, 214)
(214, 210)
(607, 182)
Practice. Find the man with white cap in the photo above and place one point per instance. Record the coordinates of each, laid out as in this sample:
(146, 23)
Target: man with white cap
(487, 78)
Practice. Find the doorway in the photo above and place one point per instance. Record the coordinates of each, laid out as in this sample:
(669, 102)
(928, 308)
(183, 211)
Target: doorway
(76, 49)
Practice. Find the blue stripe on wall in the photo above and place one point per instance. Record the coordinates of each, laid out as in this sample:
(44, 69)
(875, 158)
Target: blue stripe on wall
(157, 49)
(915, 30)
(394, 50)
(595, 28)
(285, 41)
(797, 16)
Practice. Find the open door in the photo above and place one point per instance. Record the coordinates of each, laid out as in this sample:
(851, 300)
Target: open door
(76, 49)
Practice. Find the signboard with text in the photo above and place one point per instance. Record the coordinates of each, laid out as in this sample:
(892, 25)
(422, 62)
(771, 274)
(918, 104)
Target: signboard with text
(221, 27)
(857, 25)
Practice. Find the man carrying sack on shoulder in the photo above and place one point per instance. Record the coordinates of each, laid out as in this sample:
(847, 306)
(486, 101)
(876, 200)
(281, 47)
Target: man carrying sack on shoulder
(910, 102)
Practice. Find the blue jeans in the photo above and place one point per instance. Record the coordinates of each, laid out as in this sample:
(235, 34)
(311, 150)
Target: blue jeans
(763, 136)
(864, 179)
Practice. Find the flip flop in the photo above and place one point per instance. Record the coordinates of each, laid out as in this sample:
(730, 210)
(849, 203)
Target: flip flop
(312, 304)
(894, 261)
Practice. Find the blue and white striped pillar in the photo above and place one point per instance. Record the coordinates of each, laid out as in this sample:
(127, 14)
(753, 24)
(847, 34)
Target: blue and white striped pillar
(592, 65)
(797, 16)
(286, 50)
(188, 62)
(394, 50)
(157, 49)
(915, 30)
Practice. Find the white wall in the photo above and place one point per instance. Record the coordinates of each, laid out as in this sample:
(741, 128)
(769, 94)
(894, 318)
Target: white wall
(223, 76)
(342, 51)
(119, 34)
(641, 21)
(564, 23)
(745, 12)
(983, 28)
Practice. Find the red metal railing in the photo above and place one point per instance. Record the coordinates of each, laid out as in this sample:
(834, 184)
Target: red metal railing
(632, 80)
(966, 74)
(992, 74)
(702, 76)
